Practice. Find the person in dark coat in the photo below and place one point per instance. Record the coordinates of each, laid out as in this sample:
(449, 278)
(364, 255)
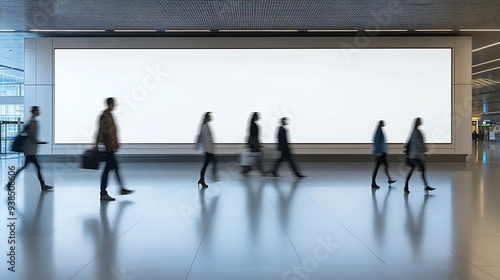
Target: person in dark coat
(416, 149)
(286, 153)
(254, 144)
(108, 135)
(31, 149)
(379, 151)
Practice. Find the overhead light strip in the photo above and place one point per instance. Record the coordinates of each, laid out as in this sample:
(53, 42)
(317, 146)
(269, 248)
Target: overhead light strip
(480, 30)
(135, 30)
(433, 30)
(386, 30)
(488, 70)
(7, 30)
(332, 30)
(67, 30)
(187, 30)
(488, 46)
(487, 62)
(258, 30)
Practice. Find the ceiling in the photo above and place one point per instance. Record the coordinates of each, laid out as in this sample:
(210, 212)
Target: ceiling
(21, 19)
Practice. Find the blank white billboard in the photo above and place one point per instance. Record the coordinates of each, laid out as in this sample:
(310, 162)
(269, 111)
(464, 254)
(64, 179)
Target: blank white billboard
(329, 95)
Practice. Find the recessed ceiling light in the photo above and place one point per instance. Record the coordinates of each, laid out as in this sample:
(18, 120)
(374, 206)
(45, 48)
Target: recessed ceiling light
(258, 30)
(386, 30)
(487, 70)
(332, 30)
(433, 30)
(67, 30)
(491, 61)
(484, 82)
(479, 30)
(187, 30)
(485, 47)
(135, 30)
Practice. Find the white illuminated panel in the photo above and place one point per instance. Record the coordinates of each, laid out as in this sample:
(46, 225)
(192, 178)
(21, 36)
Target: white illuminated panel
(329, 95)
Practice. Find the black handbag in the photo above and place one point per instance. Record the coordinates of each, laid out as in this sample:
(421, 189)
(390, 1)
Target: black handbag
(91, 159)
(18, 145)
(20, 141)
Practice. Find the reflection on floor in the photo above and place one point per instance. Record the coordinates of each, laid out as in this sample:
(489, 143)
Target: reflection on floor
(330, 225)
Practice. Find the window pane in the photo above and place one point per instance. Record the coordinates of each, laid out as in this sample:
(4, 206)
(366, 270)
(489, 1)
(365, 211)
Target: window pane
(11, 85)
(11, 118)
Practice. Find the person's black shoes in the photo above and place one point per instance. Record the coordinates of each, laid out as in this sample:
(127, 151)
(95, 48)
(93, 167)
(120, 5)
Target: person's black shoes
(375, 186)
(202, 183)
(46, 187)
(390, 181)
(428, 188)
(300, 176)
(106, 197)
(126, 191)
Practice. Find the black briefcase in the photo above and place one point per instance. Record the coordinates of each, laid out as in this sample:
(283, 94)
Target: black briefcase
(18, 145)
(91, 159)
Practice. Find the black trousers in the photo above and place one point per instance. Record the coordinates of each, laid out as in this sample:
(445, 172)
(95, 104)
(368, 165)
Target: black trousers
(32, 159)
(380, 160)
(416, 163)
(255, 149)
(209, 157)
(111, 164)
(286, 156)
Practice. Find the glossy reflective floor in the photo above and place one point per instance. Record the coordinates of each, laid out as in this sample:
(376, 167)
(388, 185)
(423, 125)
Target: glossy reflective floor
(330, 225)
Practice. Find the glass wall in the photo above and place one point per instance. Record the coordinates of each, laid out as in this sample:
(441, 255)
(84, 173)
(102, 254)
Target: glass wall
(11, 85)
(11, 110)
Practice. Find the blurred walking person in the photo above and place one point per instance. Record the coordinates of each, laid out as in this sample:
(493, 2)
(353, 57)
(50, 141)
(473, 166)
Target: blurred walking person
(108, 135)
(286, 153)
(415, 150)
(379, 151)
(31, 149)
(254, 145)
(206, 143)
